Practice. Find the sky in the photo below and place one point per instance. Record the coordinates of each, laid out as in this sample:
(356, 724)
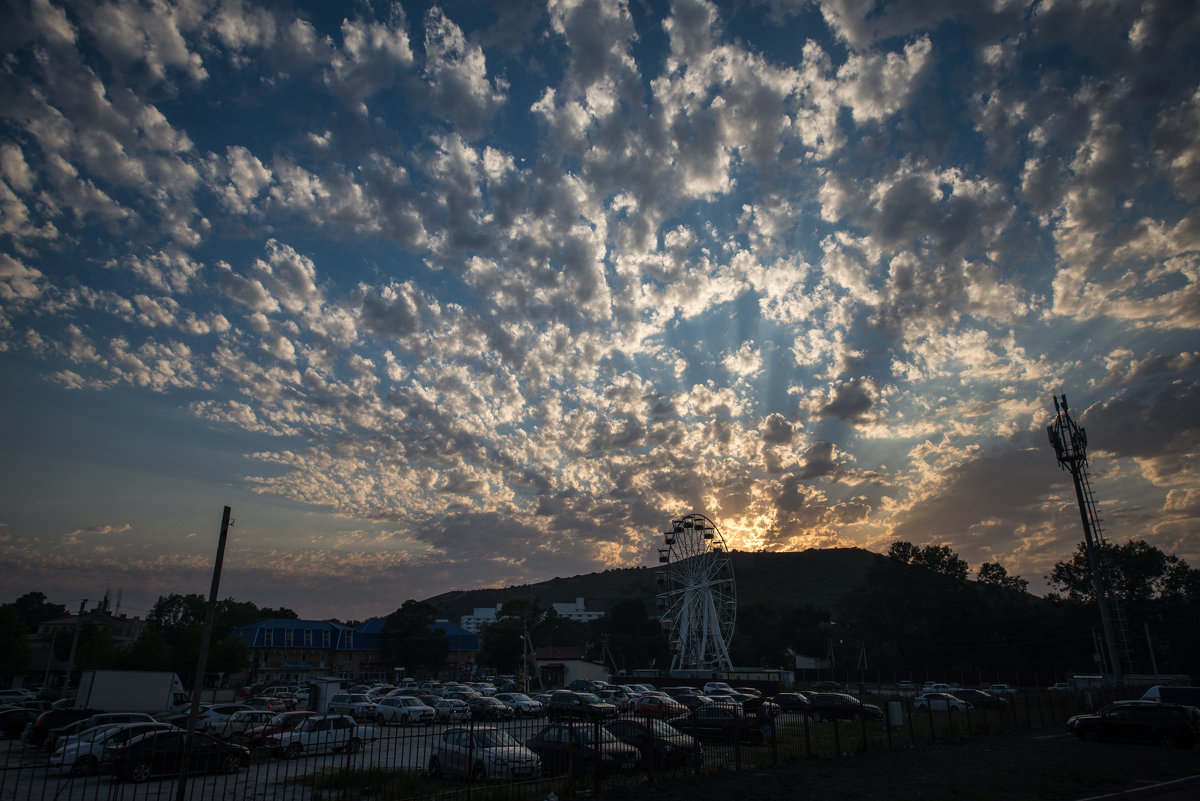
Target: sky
(466, 295)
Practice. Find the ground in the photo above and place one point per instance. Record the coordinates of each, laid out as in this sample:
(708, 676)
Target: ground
(1047, 765)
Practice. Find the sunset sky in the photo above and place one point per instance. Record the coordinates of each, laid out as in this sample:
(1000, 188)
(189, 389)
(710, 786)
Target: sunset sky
(475, 294)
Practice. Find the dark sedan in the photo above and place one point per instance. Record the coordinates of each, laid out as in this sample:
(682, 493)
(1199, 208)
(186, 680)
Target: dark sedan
(839, 706)
(721, 723)
(14, 719)
(162, 753)
(657, 740)
(981, 700)
(1151, 722)
(561, 745)
(792, 702)
(485, 707)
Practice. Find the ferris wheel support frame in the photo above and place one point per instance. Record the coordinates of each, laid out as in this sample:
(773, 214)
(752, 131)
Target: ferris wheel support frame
(697, 599)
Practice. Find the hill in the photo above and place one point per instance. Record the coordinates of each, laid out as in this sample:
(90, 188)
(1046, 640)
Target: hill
(819, 578)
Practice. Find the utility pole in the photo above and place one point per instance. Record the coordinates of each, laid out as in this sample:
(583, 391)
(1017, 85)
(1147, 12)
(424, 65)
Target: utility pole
(74, 645)
(202, 660)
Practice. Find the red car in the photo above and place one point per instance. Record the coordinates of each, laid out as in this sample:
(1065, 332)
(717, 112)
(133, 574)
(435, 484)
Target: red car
(256, 736)
(657, 706)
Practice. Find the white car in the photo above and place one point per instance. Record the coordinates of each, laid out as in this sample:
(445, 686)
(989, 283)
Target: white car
(939, 702)
(320, 734)
(521, 704)
(481, 754)
(722, 687)
(213, 718)
(16, 695)
(81, 755)
(403, 709)
(1002, 689)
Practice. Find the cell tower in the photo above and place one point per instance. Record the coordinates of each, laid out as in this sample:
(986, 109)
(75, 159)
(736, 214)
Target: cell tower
(1070, 446)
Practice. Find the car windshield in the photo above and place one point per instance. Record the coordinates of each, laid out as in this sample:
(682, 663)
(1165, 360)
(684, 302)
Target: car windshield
(585, 734)
(493, 738)
(663, 729)
(98, 733)
(519, 697)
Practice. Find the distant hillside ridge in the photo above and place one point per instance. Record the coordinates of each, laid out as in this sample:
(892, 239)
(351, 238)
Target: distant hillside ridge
(816, 577)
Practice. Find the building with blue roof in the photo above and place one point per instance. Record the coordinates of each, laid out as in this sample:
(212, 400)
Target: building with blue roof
(294, 651)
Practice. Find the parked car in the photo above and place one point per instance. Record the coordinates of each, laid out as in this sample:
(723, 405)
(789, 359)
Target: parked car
(161, 753)
(485, 707)
(403, 709)
(269, 703)
(693, 701)
(980, 699)
(715, 686)
(318, 734)
(356, 705)
(520, 703)
(1167, 725)
(449, 710)
(98, 719)
(482, 753)
(1002, 689)
(214, 717)
(1059, 686)
(617, 697)
(239, 722)
(14, 719)
(16, 694)
(256, 736)
(656, 706)
(568, 705)
(721, 723)
(939, 702)
(81, 755)
(560, 744)
(659, 743)
(39, 732)
(839, 706)
(587, 685)
(791, 702)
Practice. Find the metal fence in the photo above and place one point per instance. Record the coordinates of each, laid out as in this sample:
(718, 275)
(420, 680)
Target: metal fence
(392, 762)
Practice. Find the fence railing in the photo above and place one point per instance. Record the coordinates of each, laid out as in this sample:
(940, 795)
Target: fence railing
(394, 762)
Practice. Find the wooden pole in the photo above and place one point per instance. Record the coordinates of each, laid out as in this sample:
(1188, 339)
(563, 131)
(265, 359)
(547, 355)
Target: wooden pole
(202, 660)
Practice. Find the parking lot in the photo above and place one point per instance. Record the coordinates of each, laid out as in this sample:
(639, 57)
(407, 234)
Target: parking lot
(398, 756)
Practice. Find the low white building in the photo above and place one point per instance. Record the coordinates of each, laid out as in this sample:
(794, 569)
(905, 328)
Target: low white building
(576, 611)
(482, 616)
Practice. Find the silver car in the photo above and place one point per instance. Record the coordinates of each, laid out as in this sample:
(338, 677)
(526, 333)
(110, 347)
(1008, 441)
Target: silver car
(81, 755)
(482, 754)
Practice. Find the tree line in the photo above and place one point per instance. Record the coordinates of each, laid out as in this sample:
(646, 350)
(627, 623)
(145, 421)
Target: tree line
(918, 608)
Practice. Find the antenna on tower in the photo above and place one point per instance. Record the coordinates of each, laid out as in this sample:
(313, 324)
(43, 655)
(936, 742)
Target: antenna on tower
(1069, 441)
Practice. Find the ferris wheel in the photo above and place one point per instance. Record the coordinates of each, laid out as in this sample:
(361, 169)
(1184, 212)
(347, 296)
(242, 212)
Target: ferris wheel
(697, 597)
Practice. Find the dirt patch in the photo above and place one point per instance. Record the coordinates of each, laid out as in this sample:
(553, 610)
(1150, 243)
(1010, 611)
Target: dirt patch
(1047, 765)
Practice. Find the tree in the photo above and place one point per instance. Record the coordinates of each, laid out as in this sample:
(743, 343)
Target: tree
(33, 609)
(408, 640)
(14, 642)
(1137, 573)
(501, 644)
(634, 640)
(938, 558)
(993, 574)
